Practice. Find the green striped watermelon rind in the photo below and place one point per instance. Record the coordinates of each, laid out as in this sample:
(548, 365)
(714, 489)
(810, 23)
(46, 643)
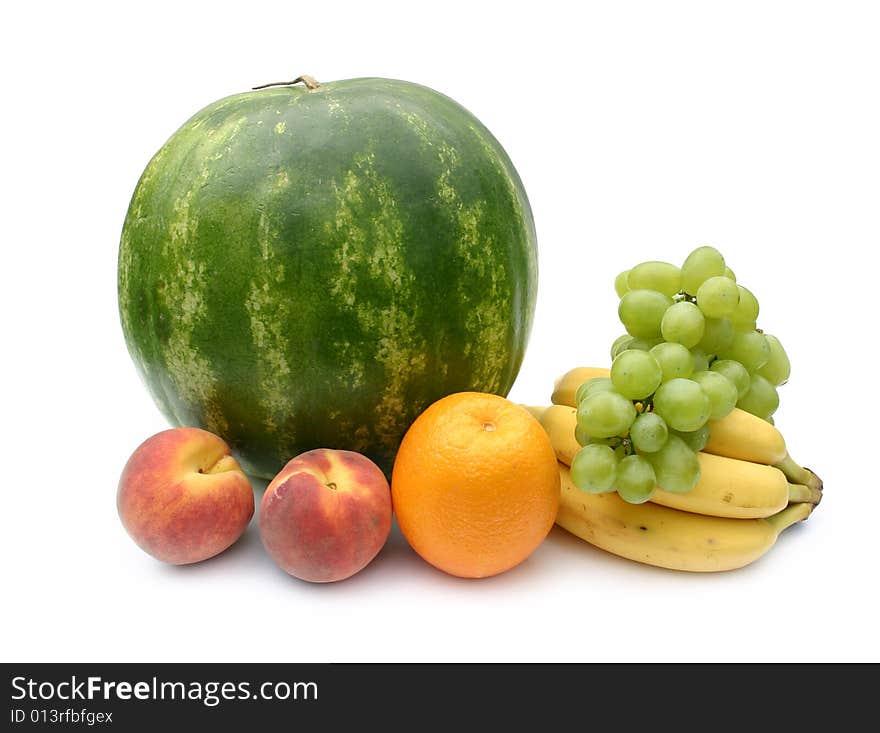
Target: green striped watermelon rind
(312, 268)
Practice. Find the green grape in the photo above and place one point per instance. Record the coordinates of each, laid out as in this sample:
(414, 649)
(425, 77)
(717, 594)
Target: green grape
(621, 285)
(769, 419)
(700, 359)
(700, 265)
(696, 440)
(636, 374)
(745, 315)
(604, 414)
(722, 393)
(778, 367)
(660, 276)
(683, 323)
(594, 468)
(729, 273)
(735, 372)
(596, 384)
(718, 297)
(640, 312)
(611, 442)
(641, 344)
(761, 399)
(683, 404)
(580, 436)
(621, 347)
(676, 467)
(717, 335)
(635, 479)
(621, 343)
(674, 360)
(649, 432)
(749, 348)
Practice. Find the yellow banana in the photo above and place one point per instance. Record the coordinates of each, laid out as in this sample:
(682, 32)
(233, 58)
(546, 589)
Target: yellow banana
(743, 435)
(747, 437)
(669, 538)
(738, 435)
(727, 487)
(567, 385)
(559, 423)
(737, 489)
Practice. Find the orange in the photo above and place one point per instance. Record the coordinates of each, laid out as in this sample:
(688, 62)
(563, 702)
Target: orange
(475, 484)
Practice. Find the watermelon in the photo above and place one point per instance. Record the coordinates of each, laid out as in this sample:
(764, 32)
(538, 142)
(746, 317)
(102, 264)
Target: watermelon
(312, 266)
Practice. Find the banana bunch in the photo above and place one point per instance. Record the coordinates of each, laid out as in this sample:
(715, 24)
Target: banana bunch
(750, 489)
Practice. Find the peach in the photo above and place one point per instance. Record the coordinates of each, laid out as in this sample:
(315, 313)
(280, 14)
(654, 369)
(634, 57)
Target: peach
(326, 515)
(182, 496)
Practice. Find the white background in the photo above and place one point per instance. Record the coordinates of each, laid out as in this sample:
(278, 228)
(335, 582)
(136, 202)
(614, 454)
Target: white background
(641, 130)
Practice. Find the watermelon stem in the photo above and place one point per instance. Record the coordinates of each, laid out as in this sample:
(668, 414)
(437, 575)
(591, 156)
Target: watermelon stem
(309, 81)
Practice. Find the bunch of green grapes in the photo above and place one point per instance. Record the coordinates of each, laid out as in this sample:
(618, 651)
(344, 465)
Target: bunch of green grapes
(692, 352)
